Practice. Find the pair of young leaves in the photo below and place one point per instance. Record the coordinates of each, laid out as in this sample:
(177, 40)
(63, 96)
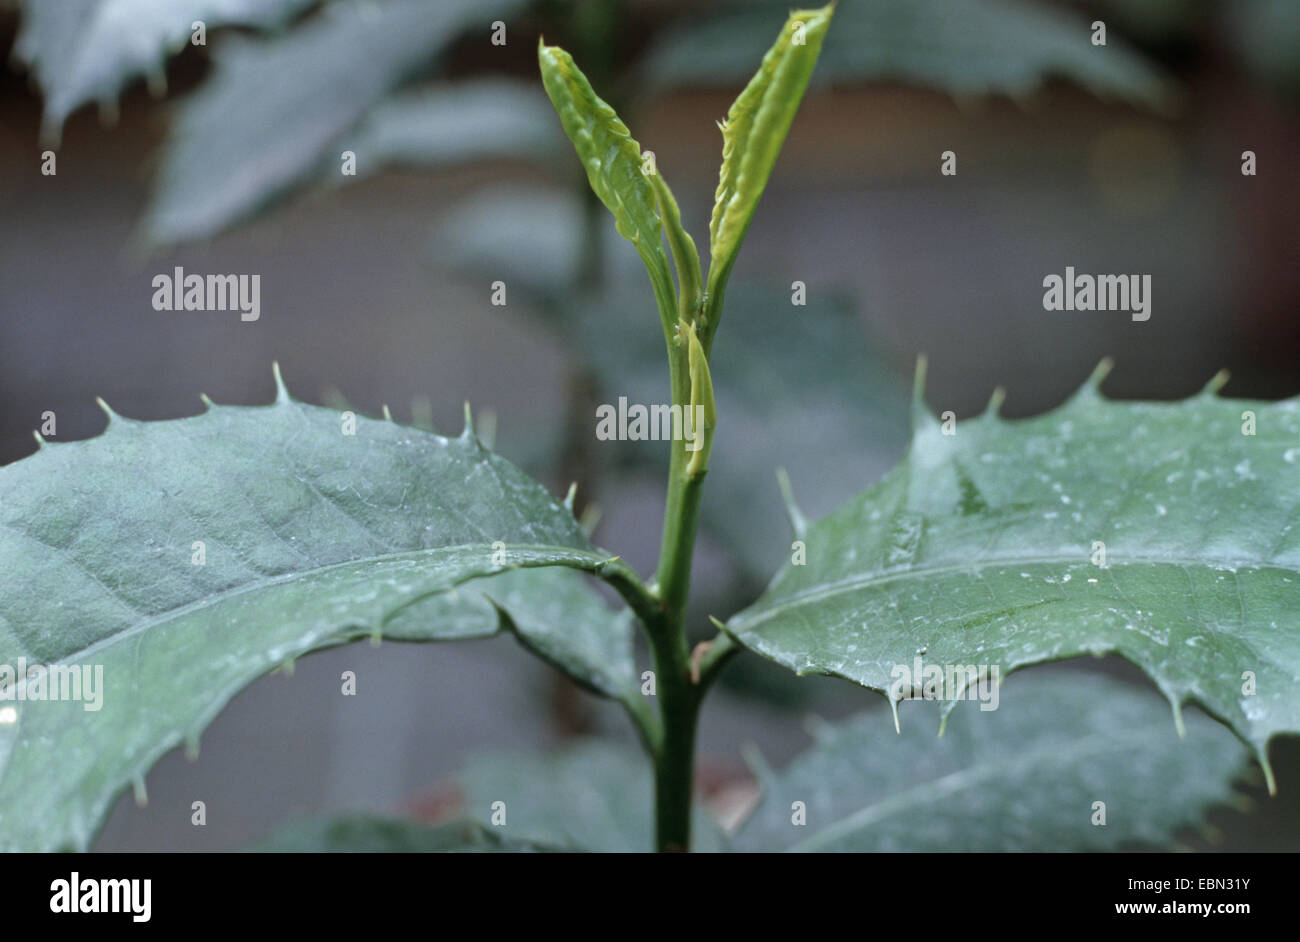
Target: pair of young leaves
(629, 184)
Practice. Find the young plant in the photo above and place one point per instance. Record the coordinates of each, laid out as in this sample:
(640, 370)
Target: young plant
(151, 573)
(630, 185)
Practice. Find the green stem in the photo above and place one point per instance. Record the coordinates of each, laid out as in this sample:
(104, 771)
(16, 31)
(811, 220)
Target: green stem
(675, 758)
(681, 519)
(669, 737)
(679, 697)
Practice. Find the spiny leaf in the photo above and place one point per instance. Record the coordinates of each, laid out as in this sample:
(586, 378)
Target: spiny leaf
(613, 162)
(186, 558)
(752, 137)
(1163, 532)
(1022, 777)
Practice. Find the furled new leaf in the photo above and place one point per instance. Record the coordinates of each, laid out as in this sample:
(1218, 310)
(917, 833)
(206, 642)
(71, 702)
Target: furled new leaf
(704, 411)
(1164, 532)
(185, 558)
(752, 136)
(614, 166)
(1025, 776)
(690, 283)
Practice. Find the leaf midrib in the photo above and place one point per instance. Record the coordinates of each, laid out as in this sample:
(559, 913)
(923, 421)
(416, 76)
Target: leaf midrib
(272, 581)
(871, 580)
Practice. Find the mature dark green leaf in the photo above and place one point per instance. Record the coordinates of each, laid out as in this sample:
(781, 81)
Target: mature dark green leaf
(268, 114)
(972, 48)
(1021, 777)
(1164, 532)
(188, 557)
(593, 796)
(86, 50)
(369, 834)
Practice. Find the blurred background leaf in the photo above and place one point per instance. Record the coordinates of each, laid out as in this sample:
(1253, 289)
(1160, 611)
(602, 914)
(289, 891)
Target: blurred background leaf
(1266, 34)
(461, 122)
(1021, 778)
(220, 163)
(976, 47)
(526, 235)
(1160, 21)
(372, 834)
(89, 50)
